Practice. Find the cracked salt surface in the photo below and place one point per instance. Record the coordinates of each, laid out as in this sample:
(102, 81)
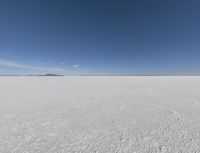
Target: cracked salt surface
(99, 114)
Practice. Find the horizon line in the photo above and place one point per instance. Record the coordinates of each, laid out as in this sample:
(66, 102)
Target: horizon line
(57, 75)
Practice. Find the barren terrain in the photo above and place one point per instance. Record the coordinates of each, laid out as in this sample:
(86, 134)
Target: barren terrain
(99, 114)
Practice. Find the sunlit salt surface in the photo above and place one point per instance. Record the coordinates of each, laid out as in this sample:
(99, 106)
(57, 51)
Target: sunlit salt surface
(112, 114)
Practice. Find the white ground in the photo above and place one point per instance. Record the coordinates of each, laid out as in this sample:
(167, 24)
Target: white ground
(99, 114)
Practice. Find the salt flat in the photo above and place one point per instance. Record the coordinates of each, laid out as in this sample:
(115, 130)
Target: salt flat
(102, 114)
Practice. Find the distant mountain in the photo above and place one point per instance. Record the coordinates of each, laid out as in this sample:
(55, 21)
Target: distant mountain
(51, 74)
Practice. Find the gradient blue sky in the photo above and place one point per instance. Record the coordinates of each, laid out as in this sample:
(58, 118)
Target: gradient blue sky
(100, 36)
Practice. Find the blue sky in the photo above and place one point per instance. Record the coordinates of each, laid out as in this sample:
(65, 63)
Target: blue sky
(118, 37)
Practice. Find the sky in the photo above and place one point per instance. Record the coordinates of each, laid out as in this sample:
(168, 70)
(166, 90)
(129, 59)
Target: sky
(100, 37)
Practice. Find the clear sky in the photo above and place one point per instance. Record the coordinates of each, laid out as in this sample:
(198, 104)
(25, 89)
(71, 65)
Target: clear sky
(100, 36)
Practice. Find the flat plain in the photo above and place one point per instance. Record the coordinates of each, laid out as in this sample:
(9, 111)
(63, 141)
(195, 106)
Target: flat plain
(100, 114)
